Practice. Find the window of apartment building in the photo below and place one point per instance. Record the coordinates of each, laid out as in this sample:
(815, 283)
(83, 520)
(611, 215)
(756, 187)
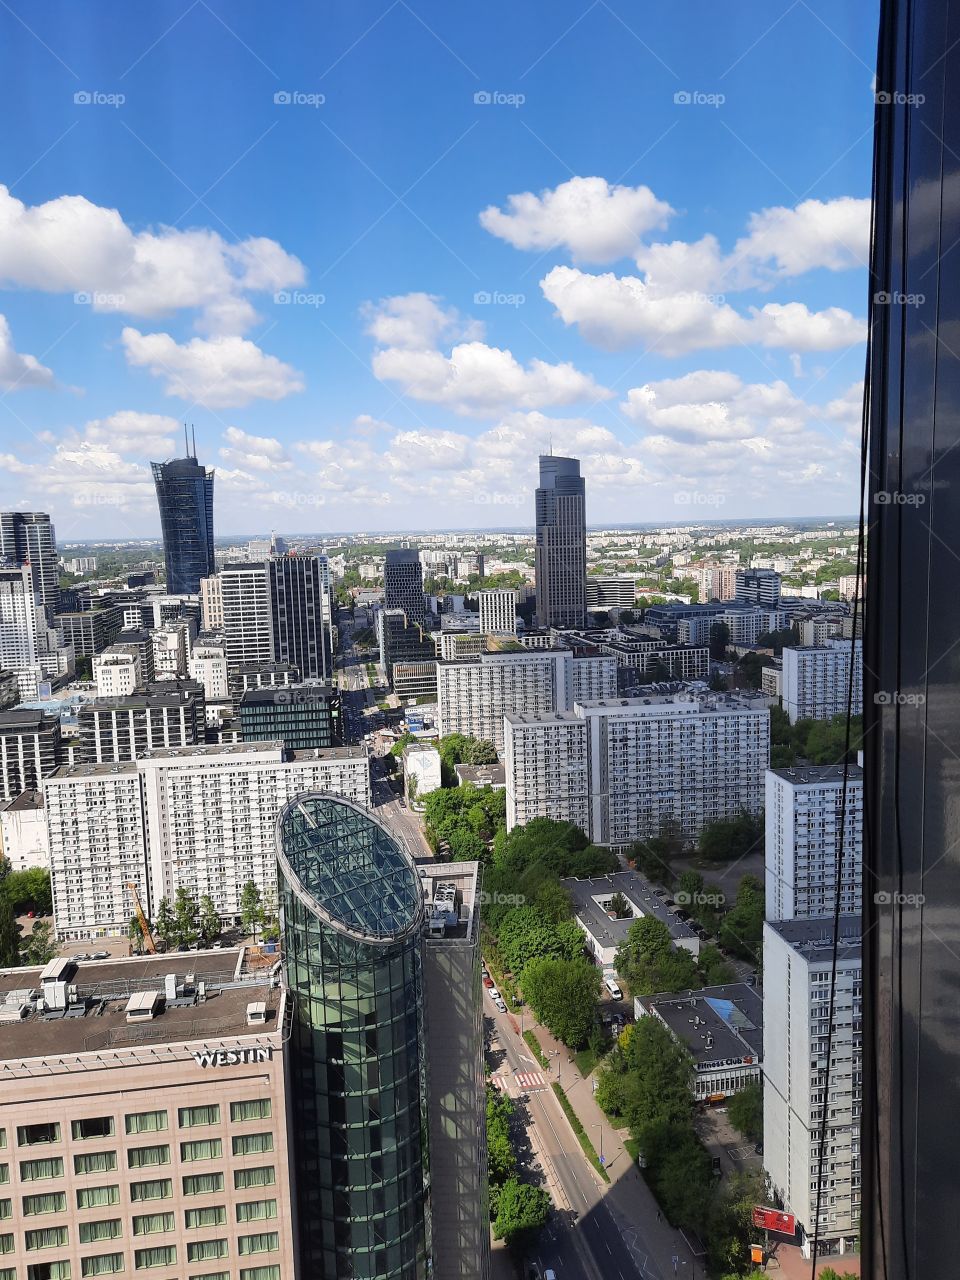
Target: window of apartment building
(96, 1127)
(154, 1189)
(146, 1224)
(161, 1255)
(33, 1135)
(94, 1232)
(45, 1238)
(214, 1215)
(264, 1242)
(202, 1250)
(145, 1157)
(271, 1272)
(95, 1162)
(48, 1271)
(252, 1143)
(199, 1184)
(262, 1176)
(203, 1149)
(256, 1210)
(146, 1122)
(190, 1117)
(253, 1109)
(35, 1170)
(6, 1242)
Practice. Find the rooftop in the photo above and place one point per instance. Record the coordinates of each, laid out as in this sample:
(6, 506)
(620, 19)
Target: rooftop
(95, 1018)
(819, 774)
(482, 775)
(25, 720)
(639, 893)
(715, 1022)
(26, 801)
(814, 938)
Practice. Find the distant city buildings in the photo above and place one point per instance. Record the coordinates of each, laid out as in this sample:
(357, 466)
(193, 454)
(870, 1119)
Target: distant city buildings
(498, 612)
(28, 538)
(758, 586)
(817, 682)
(185, 497)
(605, 591)
(403, 584)
(561, 543)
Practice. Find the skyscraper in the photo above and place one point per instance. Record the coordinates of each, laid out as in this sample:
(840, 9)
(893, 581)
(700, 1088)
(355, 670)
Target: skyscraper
(352, 910)
(403, 584)
(297, 586)
(561, 552)
(28, 537)
(185, 495)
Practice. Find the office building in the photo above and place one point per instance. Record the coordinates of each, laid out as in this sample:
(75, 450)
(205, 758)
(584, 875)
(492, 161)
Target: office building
(416, 680)
(475, 694)
(722, 1030)
(144, 1110)
(246, 614)
(28, 538)
(19, 629)
(298, 588)
(23, 832)
(90, 631)
(208, 666)
(171, 649)
(807, 818)
(610, 591)
(639, 762)
(260, 675)
(759, 587)
(301, 716)
(169, 713)
(498, 612)
(802, 1091)
(118, 671)
(198, 817)
(211, 604)
(185, 496)
(561, 548)
(403, 584)
(817, 682)
(30, 748)
(382, 964)
(401, 640)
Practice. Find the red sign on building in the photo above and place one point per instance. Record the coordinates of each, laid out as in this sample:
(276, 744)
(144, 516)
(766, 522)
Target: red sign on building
(774, 1220)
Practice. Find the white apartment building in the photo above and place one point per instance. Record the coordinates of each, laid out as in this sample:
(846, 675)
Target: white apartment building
(171, 646)
(691, 760)
(771, 681)
(743, 624)
(816, 681)
(611, 591)
(19, 647)
(247, 623)
(498, 612)
(198, 817)
(816, 631)
(211, 604)
(421, 772)
(798, 1097)
(592, 676)
(545, 761)
(23, 832)
(208, 666)
(803, 814)
(118, 671)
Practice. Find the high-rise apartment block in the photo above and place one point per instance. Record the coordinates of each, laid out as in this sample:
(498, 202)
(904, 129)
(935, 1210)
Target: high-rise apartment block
(19, 629)
(759, 586)
(498, 612)
(246, 613)
(561, 549)
(185, 496)
(637, 763)
(611, 591)
(30, 749)
(803, 1089)
(211, 604)
(403, 584)
(208, 666)
(817, 681)
(169, 713)
(197, 817)
(808, 817)
(171, 648)
(28, 538)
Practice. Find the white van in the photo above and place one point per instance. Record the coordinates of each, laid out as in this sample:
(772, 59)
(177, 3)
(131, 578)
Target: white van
(611, 984)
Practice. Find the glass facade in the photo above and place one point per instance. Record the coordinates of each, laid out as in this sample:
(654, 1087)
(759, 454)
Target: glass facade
(351, 910)
(185, 495)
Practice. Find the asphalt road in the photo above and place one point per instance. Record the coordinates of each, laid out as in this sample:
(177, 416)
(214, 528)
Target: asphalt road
(582, 1242)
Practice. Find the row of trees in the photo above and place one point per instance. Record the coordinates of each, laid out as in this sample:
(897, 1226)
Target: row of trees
(648, 962)
(646, 1081)
(187, 920)
(519, 1209)
(817, 741)
(466, 819)
(726, 840)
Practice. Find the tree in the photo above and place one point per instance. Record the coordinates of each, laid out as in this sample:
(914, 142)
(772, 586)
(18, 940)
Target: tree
(742, 926)
(209, 922)
(522, 1211)
(501, 1160)
(185, 916)
(467, 847)
(648, 962)
(731, 838)
(745, 1110)
(9, 936)
(165, 925)
(135, 935)
(552, 901)
(619, 907)
(660, 1072)
(524, 936)
(40, 945)
(28, 890)
(564, 994)
(714, 970)
(480, 751)
(251, 908)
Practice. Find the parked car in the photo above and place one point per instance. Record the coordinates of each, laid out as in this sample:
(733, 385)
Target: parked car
(613, 987)
(494, 993)
(488, 981)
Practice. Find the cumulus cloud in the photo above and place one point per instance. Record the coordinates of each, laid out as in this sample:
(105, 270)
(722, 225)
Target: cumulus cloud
(712, 405)
(415, 321)
(129, 431)
(221, 373)
(263, 453)
(71, 245)
(595, 220)
(18, 370)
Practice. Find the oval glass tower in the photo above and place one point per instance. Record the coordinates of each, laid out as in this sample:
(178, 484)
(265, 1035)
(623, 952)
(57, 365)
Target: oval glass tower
(351, 908)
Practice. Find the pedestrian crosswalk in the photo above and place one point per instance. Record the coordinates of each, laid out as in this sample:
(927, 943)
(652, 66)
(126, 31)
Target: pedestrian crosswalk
(530, 1080)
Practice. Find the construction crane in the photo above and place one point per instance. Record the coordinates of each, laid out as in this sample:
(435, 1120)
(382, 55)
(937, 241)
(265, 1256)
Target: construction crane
(142, 919)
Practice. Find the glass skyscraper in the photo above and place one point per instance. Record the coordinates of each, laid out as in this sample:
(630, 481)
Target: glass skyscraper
(185, 495)
(352, 914)
(561, 550)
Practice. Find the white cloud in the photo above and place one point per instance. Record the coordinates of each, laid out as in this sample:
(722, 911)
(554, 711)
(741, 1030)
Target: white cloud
(479, 379)
(221, 373)
(714, 406)
(129, 431)
(429, 450)
(415, 322)
(16, 370)
(620, 311)
(834, 234)
(70, 245)
(263, 453)
(594, 220)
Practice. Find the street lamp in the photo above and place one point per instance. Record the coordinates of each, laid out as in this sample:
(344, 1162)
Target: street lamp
(555, 1053)
(600, 1127)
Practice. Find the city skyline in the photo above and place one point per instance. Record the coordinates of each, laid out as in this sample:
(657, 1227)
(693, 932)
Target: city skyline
(629, 274)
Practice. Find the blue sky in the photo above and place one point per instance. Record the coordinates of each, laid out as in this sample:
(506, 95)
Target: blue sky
(381, 253)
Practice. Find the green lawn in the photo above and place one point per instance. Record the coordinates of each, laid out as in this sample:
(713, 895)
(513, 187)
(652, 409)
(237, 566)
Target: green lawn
(534, 1046)
(586, 1060)
(578, 1129)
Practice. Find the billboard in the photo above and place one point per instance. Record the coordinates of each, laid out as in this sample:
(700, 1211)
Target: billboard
(774, 1220)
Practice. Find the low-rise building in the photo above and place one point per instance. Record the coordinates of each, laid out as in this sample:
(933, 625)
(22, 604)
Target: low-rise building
(493, 776)
(721, 1028)
(604, 931)
(421, 772)
(23, 832)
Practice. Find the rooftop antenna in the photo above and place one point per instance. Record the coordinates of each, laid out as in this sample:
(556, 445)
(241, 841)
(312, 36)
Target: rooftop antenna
(186, 442)
(193, 431)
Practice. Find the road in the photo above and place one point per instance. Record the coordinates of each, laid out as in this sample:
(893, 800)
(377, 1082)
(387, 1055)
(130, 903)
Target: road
(583, 1241)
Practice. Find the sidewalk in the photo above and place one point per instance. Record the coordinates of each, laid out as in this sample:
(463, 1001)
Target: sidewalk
(627, 1196)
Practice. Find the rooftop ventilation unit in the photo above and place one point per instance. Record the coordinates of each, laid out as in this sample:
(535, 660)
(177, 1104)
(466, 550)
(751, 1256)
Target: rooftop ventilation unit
(170, 986)
(144, 1006)
(256, 1013)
